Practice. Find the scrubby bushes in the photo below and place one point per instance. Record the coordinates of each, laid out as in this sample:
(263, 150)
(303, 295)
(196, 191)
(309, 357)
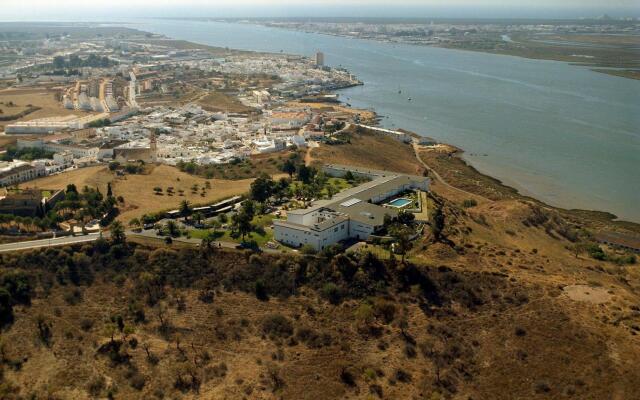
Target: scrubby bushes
(151, 272)
(468, 203)
(332, 293)
(277, 326)
(312, 338)
(15, 288)
(597, 253)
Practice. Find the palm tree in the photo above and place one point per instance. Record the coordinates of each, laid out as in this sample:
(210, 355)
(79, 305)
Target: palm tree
(172, 228)
(185, 209)
(197, 217)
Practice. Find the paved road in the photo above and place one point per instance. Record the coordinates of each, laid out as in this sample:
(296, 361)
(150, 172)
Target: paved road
(61, 241)
(35, 244)
(150, 233)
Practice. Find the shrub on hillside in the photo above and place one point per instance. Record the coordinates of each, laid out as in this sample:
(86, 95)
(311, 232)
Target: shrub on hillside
(332, 293)
(469, 203)
(277, 326)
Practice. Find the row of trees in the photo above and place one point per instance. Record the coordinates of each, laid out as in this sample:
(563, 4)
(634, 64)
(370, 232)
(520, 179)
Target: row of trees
(88, 204)
(26, 154)
(310, 183)
(83, 206)
(29, 224)
(75, 61)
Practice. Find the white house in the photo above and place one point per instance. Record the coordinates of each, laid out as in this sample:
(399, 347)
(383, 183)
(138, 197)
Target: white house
(19, 171)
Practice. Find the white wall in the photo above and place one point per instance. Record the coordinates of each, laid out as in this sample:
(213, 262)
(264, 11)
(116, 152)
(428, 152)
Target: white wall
(297, 237)
(359, 230)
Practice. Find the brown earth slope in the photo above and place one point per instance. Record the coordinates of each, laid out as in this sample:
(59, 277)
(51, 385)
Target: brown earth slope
(370, 151)
(501, 308)
(137, 190)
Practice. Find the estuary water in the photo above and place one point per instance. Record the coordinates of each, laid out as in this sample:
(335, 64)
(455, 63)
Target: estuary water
(560, 133)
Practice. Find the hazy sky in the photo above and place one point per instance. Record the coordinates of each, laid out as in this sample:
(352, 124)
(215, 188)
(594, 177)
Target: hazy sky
(73, 9)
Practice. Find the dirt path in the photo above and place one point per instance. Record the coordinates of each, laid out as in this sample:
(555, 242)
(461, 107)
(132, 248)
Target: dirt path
(439, 179)
(307, 156)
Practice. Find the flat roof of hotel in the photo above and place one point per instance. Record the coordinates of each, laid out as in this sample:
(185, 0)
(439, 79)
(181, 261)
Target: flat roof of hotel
(355, 201)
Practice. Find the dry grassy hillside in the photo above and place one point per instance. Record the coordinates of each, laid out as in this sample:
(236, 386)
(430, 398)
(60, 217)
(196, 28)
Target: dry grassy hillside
(137, 190)
(499, 307)
(578, 320)
(371, 151)
(447, 162)
(492, 315)
(43, 97)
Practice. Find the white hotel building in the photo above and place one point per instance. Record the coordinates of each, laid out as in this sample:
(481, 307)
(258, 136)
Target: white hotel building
(353, 213)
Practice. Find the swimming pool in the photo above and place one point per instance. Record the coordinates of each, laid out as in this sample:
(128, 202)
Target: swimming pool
(399, 203)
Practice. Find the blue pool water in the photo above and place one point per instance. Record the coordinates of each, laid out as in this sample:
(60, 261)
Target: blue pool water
(399, 202)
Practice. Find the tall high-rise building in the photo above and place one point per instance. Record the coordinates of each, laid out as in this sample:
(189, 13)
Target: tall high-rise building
(320, 59)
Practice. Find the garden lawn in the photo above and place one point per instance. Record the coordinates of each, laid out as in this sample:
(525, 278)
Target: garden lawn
(225, 236)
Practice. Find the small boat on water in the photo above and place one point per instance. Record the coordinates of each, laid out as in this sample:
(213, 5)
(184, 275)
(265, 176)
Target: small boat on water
(409, 99)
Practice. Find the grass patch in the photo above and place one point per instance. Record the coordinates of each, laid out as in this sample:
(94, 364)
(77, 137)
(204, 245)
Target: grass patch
(225, 236)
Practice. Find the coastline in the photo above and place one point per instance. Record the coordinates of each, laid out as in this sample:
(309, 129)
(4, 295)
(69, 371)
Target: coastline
(605, 217)
(473, 181)
(532, 54)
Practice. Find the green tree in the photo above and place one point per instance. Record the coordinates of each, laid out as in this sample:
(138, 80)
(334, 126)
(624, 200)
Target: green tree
(19, 285)
(207, 245)
(332, 293)
(185, 209)
(6, 307)
(223, 219)
(59, 62)
(44, 331)
(402, 235)
(281, 188)
(197, 216)
(242, 223)
(308, 250)
(117, 232)
(172, 229)
(331, 190)
(349, 177)
(406, 217)
(578, 248)
(306, 174)
(262, 188)
(437, 223)
(71, 188)
(261, 291)
(135, 223)
(249, 207)
(289, 167)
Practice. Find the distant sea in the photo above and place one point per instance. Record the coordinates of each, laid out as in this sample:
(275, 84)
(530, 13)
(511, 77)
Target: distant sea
(560, 133)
